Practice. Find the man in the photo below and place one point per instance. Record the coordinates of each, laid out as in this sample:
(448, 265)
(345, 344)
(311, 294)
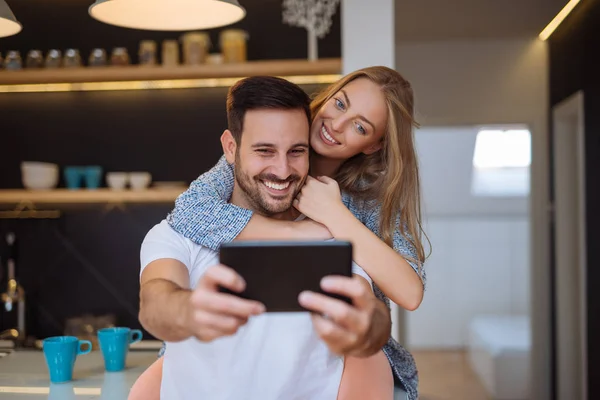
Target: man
(221, 346)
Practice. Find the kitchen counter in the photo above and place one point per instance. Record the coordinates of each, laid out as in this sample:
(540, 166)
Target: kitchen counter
(24, 376)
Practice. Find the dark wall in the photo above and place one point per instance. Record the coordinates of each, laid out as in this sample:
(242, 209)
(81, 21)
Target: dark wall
(88, 261)
(61, 24)
(574, 65)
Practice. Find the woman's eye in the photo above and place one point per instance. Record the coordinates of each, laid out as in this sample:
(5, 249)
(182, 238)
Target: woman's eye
(361, 129)
(340, 104)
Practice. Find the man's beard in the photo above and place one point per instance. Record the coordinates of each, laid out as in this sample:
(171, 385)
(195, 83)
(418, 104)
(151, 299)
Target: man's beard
(259, 199)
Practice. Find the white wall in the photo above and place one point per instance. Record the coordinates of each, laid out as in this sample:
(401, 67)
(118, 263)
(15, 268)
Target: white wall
(373, 46)
(480, 259)
(460, 83)
(477, 82)
(446, 165)
(467, 83)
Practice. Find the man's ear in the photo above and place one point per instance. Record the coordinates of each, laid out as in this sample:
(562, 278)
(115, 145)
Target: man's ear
(372, 149)
(229, 146)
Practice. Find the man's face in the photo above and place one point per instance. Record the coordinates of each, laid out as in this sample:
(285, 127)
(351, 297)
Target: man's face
(271, 161)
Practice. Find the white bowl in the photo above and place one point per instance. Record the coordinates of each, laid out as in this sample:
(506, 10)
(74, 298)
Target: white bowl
(117, 180)
(39, 175)
(139, 180)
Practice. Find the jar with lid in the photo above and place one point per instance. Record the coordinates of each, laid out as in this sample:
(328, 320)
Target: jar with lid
(53, 59)
(147, 52)
(170, 53)
(97, 58)
(233, 45)
(13, 60)
(195, 47)
(72, 59)
(119, 56)
(34, 59)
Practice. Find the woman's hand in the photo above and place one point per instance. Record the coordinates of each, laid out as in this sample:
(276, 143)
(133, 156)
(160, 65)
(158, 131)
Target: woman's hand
(320, 199)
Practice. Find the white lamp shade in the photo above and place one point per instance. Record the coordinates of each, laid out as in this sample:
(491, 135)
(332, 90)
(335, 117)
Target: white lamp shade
(167, 15)
(8, 23)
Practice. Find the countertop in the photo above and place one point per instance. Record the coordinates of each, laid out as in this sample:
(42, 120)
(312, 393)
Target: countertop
(24, 376)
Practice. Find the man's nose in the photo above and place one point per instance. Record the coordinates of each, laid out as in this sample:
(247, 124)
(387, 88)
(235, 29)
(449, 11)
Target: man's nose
(281, 167)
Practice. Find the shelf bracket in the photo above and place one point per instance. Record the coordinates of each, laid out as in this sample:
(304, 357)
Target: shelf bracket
(26, 210)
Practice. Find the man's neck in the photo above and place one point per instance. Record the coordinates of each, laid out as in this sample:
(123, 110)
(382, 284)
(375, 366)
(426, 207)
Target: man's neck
(238, 199)
(321, 166)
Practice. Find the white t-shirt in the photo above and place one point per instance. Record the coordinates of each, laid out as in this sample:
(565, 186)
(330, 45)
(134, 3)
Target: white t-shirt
(274, 356)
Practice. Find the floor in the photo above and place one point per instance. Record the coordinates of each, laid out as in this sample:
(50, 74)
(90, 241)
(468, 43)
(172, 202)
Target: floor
(446, 375)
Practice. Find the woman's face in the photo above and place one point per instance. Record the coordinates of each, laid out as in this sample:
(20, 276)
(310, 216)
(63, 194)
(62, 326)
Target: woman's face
(353, 121)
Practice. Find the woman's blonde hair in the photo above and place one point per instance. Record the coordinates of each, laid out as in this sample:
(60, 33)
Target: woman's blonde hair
(390, 175)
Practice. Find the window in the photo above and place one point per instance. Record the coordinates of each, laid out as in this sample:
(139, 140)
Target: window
(501, 162)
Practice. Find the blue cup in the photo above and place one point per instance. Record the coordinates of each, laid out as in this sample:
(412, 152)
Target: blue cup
(92, 176)
(60, 353)
(73, 177)
(114, 343)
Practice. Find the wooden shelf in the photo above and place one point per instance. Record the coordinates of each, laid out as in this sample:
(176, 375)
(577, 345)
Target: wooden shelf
(330, 66)
(85, 196)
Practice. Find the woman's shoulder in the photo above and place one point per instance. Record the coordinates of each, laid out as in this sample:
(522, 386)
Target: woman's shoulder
(361, 206)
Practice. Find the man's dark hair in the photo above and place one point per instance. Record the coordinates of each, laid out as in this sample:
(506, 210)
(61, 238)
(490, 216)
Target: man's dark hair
(262, 92)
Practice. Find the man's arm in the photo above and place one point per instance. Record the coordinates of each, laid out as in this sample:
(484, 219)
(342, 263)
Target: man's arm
(171, 312)
(360, 329)
(164, 300)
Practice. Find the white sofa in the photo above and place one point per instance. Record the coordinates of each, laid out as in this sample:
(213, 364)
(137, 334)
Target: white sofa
(499, 353)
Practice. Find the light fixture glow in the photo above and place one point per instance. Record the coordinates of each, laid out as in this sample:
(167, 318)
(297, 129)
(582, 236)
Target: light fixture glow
(152, 84)
(8, 23)
(168, 15)
(545, 34)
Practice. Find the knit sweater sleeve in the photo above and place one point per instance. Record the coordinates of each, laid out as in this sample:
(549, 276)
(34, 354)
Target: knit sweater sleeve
(203, 214)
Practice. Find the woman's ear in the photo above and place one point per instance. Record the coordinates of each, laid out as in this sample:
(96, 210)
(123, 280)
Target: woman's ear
(373, 148)
(229, 146)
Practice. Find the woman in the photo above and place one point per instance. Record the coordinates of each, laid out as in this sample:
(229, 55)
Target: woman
(362, 141)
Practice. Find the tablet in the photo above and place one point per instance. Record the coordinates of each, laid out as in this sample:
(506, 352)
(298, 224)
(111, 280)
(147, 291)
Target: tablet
(276, 272)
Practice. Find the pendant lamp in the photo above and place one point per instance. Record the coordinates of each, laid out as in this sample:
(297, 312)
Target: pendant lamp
(8, 23)
(167, 15)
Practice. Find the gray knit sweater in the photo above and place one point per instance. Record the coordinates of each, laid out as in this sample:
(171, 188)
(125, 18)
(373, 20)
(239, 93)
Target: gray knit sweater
(203, 215)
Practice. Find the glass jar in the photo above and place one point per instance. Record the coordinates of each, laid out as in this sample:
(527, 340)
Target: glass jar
(97, 58)
(13, 60)
(72, 59)
(34, 59)
(233, 45)
(170, 53)
(119, 56)
(195, 47)
(53, 59)
(147, 52)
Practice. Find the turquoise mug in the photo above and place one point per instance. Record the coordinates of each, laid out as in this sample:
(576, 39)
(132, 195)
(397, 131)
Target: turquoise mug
(60, 353)
(73, 177)
(114, 344)
(92, 176)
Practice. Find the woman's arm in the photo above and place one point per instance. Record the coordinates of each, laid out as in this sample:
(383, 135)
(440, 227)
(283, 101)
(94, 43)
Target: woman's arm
(388, 267)
(204, 215)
